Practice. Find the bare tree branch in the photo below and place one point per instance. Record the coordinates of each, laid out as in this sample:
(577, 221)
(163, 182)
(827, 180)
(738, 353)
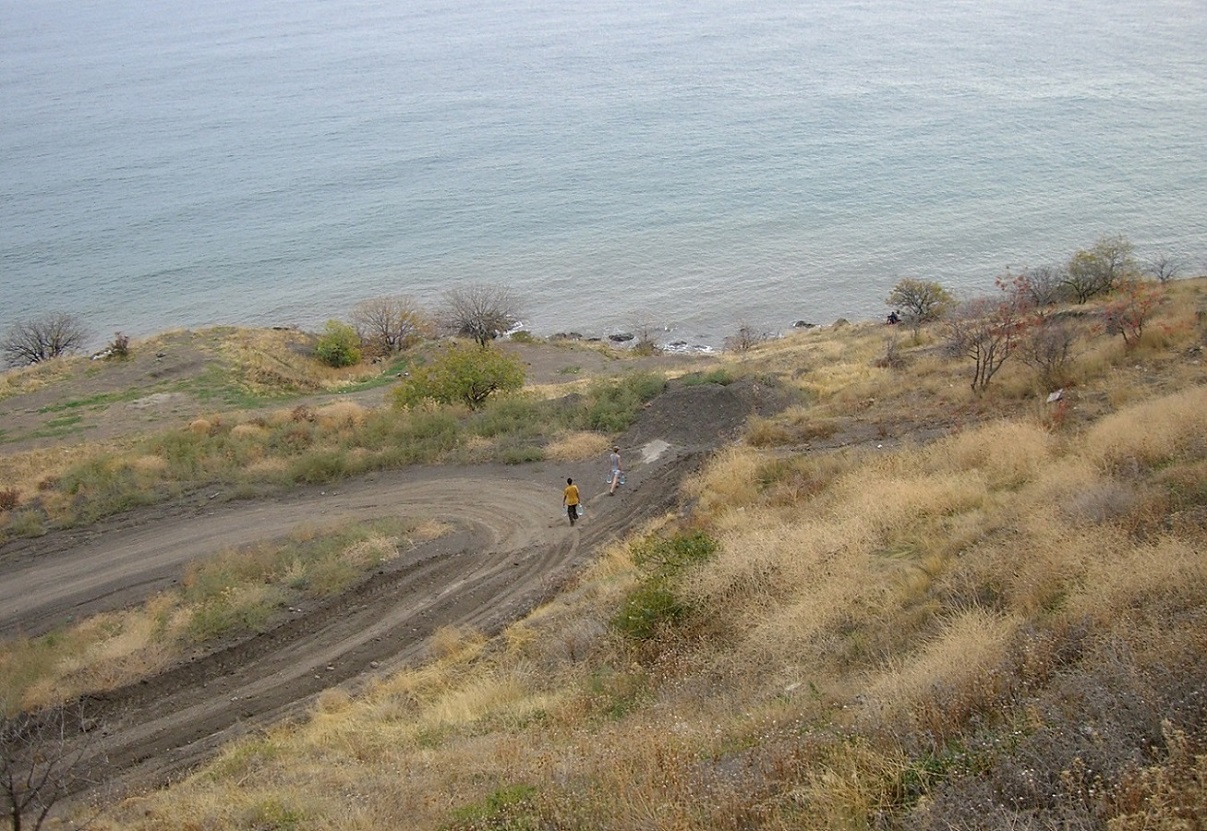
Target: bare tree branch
(480, 311)
(50, 336)
(42, 761)
(387, 324)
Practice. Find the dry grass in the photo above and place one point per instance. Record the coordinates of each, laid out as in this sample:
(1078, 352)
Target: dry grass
(271, 361)
(228, 595)
(987, 629)
(578, 446)
(26, 379)
(1152, 433)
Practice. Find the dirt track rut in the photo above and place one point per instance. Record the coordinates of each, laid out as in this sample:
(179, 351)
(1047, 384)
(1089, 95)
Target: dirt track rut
(511, 549)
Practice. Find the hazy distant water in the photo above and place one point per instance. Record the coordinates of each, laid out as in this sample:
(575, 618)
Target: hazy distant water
(703, 163)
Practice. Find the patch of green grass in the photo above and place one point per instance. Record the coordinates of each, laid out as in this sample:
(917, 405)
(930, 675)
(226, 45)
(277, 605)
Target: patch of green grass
(240, 590)
(98, 401)
(388, 376)
(215, 385)
(58, 427)
(612, 405)
(521, 454)
(654, 603)
(512, 808)
(570, 370)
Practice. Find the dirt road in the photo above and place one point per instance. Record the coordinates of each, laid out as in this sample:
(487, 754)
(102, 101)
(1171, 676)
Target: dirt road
(512, 548)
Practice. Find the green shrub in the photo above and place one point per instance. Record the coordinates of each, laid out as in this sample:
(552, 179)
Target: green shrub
(512, 416)
(27, 523)
(316, 468)
(648, 608)
(612, 405)
(521, 454)
(463, 374)
(669, 555)
(512, 808)
(339, 345)
(654, 604)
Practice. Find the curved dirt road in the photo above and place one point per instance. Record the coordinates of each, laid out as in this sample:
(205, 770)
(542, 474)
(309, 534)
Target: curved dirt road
(512, 548)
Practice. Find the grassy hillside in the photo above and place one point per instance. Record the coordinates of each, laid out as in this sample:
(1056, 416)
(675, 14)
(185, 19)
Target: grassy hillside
(898, 604)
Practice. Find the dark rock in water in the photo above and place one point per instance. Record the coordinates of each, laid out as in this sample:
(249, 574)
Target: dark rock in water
(566, 336)
(677, 344)
(621, 337)
(800, 324)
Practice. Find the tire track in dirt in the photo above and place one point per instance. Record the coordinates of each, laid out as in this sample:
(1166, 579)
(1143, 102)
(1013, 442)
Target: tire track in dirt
(512, 548)
(505, 561)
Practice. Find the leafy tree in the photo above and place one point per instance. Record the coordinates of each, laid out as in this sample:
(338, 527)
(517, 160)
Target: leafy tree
(50, 336)
(1097, 270)
(388, 324)
(463, 374)
(920, 301)
(339, 345)
(480, 311)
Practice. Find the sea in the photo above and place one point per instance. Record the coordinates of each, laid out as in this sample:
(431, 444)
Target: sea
(696, 166)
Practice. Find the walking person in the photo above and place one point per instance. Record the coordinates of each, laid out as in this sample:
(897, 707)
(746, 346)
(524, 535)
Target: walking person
(617, 470)
(570, 500)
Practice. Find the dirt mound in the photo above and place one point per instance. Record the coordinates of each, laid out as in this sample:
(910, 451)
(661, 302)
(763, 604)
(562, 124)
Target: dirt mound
(698, 415)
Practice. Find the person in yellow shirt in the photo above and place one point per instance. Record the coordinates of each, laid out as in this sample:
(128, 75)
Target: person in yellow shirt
(570, 500)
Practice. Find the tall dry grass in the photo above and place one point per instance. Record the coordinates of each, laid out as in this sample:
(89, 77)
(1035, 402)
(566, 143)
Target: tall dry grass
(999, 628)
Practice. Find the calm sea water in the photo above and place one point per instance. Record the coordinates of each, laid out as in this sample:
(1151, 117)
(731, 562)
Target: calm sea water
(696, 164)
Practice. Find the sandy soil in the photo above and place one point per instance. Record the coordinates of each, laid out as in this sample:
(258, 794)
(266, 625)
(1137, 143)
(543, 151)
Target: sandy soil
(512, 548)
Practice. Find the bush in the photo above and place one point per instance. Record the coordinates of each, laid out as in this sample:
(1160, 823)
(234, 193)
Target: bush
(462, 375)
(1047, 347)
(339, 345)
(1129, 310)
(654, 604)
(612, 405)
(1098, 270)
(119, 347)
(746, 338)
(715, 376)
(921, 301)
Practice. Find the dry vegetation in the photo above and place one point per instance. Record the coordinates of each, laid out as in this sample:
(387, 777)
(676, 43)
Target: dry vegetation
(233, 595)
(897, 605)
